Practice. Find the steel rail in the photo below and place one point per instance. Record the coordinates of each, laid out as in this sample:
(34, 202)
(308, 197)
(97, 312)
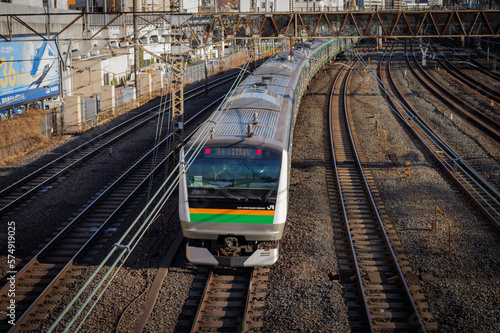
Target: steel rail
(472, 83)
(121, 254)
(134, 123)
(340, 77)
(96, 231)
(123, 249)
(353, 159)
(400, 275)
(481, 192)
(203, 302)
(247, 312)
(456, 161)
(486, 71)
(227, 300)
(80, 219)
(156, 285)
(470, 113)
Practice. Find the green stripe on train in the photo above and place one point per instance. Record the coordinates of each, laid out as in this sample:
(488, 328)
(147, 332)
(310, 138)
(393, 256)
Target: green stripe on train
(230, 218)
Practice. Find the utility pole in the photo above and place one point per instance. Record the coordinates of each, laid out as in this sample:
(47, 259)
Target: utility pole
(175, 61)
(220, 50)
(105, 11)
(136, 49)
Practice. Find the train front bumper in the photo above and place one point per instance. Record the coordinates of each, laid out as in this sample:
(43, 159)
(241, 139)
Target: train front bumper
(251, 232)
(202, 256)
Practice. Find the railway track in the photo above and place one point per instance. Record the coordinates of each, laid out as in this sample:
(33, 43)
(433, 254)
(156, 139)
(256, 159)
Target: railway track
(54, 172)
(486, 71)
(157, 284)
(41, 282)
(472, 83)
(483, 194)
(96, 222)
(225, 299)
(382, 300)
(471, 114)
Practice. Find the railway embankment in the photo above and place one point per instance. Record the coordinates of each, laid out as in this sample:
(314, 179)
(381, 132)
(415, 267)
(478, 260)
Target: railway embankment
(21, 135)
(460, 286)
(304, 293)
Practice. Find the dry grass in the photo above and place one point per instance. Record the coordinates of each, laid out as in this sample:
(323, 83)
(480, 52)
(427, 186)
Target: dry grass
(22, 134)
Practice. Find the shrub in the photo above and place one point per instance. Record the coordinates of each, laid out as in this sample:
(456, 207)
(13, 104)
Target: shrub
(19, 134)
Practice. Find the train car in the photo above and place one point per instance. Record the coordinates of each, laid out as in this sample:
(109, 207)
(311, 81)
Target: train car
(233, 196)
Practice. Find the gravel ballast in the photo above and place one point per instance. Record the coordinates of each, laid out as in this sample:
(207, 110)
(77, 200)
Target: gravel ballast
(472, 270)
(303, 295)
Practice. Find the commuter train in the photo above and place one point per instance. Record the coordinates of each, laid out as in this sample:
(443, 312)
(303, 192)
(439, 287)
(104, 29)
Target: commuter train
(233, 197)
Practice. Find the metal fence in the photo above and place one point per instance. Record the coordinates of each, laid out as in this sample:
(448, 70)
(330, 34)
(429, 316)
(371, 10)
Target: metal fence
(125, 101)
(196, 72)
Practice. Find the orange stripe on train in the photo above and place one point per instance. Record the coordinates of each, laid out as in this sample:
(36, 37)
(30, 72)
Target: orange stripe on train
(230, 211)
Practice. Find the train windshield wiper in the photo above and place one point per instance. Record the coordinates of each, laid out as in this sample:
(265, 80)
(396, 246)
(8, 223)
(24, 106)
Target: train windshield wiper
(264, 178)
(268, 193)
(231, 195)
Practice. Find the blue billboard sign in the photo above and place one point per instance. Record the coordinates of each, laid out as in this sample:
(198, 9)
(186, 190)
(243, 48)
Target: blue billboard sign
(28, 71)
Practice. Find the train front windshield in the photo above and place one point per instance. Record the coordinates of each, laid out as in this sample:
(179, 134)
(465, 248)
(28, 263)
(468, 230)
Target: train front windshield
(234, 173)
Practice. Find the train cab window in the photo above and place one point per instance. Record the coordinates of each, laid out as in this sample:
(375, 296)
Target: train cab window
(241, 173)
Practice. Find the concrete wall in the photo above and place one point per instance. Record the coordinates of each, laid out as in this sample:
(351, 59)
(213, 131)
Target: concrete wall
(318, 5)
(144, 84)
(107, 97)
(281, 6)
(148, 5)
(190, 6)
(125, 94)
(157, 77)
(61, 4)
(72, 114)
(156, 49)
(265, 6)
(37, 3)
(88, 82)
(118, 67)
(38, 22)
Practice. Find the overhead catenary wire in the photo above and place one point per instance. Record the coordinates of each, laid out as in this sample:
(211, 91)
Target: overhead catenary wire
(156, 211)
(49, 83)
(124, 251)
(159, 128)
(57, 80)
(12, 103)
(22, 96)
(74, 89)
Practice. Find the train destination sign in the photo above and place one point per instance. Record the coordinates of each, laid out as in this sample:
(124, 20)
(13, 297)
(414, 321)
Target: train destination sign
(232, 152)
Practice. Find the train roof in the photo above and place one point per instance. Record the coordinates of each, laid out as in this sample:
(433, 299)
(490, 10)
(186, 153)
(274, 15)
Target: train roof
(277, 66)
(234, 123)
(260, 98)
(261, 92)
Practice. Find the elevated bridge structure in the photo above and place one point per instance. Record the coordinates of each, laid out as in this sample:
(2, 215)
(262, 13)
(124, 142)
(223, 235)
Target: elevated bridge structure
(180, 33)
(203, 29)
